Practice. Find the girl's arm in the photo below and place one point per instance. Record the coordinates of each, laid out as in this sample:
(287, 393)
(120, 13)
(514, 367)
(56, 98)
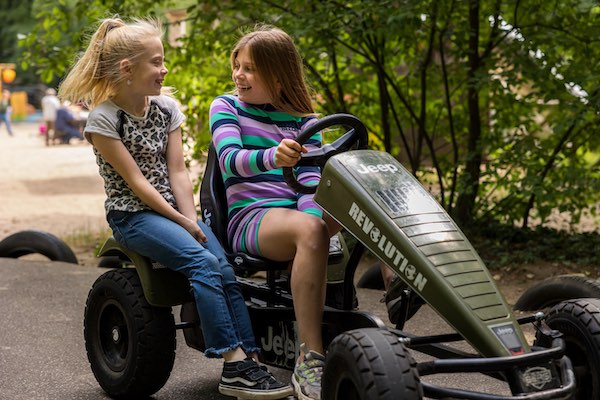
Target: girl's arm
(179, 177)
(310, 175)
(234, 159)
(115, 153)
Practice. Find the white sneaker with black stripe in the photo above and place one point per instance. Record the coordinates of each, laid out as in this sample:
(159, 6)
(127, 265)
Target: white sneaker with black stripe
(247, 380)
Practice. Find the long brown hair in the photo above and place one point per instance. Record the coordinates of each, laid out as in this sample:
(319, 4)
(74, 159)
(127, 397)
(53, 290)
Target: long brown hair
(96, 74)
(277, 60)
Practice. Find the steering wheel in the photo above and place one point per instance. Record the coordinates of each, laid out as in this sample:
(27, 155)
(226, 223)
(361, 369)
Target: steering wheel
(356, 135)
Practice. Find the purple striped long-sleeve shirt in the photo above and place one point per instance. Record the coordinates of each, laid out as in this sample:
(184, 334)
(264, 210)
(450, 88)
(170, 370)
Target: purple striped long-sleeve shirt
(245, 137)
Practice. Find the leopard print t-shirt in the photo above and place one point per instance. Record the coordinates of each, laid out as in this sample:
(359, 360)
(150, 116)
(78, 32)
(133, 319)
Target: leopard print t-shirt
(146, 139)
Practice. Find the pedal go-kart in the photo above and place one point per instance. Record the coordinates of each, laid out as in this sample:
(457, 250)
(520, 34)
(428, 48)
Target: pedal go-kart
(130, 328)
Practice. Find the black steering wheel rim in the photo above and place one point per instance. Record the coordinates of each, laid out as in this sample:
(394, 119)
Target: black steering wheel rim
(356, 135)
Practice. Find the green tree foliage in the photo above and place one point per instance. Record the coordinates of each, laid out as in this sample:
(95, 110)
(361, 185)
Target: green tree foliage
(491, 103)
(16, 21)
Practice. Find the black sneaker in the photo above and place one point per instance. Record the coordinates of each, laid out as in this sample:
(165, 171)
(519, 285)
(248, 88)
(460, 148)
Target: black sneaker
(248, 380)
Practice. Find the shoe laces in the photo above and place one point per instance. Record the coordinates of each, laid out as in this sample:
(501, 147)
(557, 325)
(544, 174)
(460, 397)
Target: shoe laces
(312, 366)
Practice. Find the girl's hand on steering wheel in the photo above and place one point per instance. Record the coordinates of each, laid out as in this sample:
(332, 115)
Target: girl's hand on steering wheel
(288, 153)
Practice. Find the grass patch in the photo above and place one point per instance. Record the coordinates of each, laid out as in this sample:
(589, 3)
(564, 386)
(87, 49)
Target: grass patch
(87, 239)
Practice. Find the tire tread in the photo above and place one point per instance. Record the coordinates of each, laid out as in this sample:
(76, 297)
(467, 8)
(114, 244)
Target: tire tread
(383, 364)
(153, 341)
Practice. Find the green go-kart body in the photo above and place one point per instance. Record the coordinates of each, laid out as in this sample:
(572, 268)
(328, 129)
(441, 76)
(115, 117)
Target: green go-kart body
(381, 204)
(386, 211)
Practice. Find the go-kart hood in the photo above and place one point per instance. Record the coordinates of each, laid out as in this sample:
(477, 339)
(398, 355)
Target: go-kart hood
(377, 200)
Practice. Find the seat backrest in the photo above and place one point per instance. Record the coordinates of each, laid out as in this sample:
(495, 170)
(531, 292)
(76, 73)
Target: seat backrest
(213, 202)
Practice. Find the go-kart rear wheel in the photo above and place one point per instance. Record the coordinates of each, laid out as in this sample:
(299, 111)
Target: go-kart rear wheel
(130, 344)
(579, 322)
(369, 364)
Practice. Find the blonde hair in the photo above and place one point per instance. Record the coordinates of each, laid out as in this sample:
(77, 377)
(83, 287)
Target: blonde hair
(277, 60)
(96, 74)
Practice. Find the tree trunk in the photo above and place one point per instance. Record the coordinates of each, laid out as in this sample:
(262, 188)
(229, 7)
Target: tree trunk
(470, 177)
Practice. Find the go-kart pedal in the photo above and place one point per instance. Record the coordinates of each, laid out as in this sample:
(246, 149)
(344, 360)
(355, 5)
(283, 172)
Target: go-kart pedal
(335, 250)
(396, 296)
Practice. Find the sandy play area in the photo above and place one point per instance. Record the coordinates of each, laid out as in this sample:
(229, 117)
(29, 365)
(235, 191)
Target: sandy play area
(56, 188)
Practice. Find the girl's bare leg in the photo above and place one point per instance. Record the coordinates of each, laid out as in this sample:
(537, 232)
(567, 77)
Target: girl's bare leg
(289, 234)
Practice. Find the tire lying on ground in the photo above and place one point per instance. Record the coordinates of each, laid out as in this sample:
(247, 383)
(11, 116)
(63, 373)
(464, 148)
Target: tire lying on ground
(552, 291)
(36, 242)
(372, 278)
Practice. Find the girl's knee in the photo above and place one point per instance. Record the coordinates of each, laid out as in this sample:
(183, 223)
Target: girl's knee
(206, 270)
(314, 234)
(228, 274)
(315, 227)
(210, 261)
(201, 259)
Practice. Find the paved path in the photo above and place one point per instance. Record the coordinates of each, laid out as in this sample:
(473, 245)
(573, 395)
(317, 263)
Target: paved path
(42, 353)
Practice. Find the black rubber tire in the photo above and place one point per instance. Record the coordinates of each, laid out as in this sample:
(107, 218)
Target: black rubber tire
(552, 291)
(130, 344)
(367, 364)
(579, 322)
(371, 278)
(36, 242)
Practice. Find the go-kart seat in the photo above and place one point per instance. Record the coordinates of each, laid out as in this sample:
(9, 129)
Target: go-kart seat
(213, 204)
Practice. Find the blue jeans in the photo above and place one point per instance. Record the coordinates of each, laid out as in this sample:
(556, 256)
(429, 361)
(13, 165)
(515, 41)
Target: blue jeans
(5, 117)
(69, 132)
(223, 313)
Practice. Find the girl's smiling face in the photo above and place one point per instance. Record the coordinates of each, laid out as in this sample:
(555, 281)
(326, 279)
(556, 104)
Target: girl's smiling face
(150, 70)
(250, 86)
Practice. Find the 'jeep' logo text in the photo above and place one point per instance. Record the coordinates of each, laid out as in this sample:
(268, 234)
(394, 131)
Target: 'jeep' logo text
(368, 169)
(280, 345)
(391, 252)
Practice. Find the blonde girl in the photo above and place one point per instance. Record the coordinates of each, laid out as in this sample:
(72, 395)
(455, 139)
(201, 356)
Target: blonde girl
(135, 132)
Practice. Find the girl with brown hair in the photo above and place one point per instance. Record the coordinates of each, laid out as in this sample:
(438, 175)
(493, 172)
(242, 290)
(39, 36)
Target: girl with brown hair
(253, 133)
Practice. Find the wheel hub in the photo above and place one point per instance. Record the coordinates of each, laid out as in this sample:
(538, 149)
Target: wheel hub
(116, 334)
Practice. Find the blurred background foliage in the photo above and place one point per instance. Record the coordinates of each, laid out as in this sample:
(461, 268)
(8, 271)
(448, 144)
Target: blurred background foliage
(492, 104)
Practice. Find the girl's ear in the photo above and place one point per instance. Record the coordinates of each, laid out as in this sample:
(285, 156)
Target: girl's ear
(125, 67)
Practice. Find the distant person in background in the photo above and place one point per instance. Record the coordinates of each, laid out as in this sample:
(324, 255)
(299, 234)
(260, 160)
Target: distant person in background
(66, 125)
(5, 110)
(50, 105)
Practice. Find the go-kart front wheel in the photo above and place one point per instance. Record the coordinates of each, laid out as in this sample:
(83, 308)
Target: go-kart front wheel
(578, 321)
(130, 344)
(368, 364)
